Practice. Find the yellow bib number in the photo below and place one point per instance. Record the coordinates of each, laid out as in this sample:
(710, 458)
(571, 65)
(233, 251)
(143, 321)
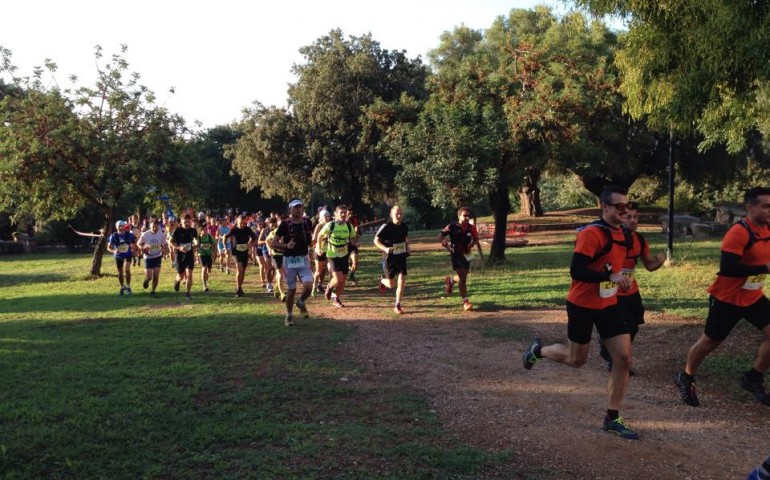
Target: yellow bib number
(123, 248)
(340, 251)
(608, 289)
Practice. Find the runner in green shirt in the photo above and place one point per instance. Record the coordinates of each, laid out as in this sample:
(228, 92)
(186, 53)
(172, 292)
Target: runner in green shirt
(335, 239)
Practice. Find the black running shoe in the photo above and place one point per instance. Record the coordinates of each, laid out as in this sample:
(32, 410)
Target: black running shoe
(176, 285)
(756, 388)
(531, 356)
(146, 283)
(686, 389)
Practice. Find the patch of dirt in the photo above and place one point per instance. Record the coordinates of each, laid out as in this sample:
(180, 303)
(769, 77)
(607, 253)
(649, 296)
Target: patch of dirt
(550, 416)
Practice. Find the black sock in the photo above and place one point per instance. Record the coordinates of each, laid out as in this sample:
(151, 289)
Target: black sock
(612, 414)
(755, 376)
(688, 377)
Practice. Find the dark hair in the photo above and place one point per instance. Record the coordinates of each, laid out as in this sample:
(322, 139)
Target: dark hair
(187, 216)
(751, 197)
(464, 209)
(608, 190)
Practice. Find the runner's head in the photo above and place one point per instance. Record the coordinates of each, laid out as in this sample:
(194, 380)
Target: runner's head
(154, 225)
(614, 203)
(631, 221)
(296, 208)
(341, 213)
(396, 214)
(464, 215)
(239, 220)
(324, 216)
(120, 226)
(757, 202)
(186, 220)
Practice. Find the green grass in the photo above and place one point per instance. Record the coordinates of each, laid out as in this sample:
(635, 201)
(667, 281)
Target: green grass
(99, 386)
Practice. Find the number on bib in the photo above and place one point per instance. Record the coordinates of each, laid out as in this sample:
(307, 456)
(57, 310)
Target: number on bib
(754, 282)
(399, 248)
(242, 247)
(123, 248)
(608, 289)
(294, 262)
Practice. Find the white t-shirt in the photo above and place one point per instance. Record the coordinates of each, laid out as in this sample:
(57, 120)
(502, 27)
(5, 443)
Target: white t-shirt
(155, 241)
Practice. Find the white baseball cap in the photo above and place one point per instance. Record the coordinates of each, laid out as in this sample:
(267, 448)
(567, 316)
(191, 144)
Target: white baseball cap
(296, 203)
(120, 225)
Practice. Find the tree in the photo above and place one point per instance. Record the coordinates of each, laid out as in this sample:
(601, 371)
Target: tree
(62, 150)
(695, 66)
(503, 102)
(321, 140)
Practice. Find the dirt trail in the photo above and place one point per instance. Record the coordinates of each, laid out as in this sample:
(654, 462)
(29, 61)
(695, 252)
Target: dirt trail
(550, 416)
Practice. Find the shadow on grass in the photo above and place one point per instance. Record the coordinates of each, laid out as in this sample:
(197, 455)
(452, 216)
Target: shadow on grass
(18, 278)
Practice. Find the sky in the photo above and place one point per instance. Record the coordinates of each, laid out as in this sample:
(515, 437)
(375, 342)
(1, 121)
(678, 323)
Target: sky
(221, 56)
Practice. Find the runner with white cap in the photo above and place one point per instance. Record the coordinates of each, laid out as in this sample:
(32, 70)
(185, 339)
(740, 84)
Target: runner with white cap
(121, 244)
(294, 236)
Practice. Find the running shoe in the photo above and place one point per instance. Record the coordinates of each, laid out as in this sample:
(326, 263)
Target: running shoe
(227, 270)
(398, 310)
(146, 283)
(532, 355)
(128, 291)
(122, 291)
(239, 293)
(176, 285)
(206, 289)
(448, 285)
(269, 289)
(619, 428)
(756, 388)
(382, 288)
(328, 294)
(686, 389)
(302, 308)
(288, 321)
(153, 294)
(187, 295)
(337, 303)
(467, 305)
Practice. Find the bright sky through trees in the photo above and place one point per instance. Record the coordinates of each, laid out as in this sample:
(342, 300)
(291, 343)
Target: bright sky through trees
(221, 56)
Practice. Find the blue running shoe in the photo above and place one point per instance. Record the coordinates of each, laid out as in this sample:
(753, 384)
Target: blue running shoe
(532, 355)
(619, 428)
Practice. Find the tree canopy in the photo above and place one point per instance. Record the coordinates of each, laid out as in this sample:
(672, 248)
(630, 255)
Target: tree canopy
(91, 147)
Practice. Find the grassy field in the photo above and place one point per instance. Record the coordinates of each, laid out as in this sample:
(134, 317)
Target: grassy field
(101, 386)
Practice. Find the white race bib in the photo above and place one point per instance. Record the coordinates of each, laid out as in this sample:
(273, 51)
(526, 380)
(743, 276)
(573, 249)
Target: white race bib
(123, 248)
(399, 248)
(754, 282)
(340, 251)
(186, 247)
(608, 289)
(242, 247)
(628, 272)
(294, 262)
(155, 248)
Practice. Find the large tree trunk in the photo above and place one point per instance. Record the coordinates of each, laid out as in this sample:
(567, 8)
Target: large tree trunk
(101, 244)
(501, 206)
(529, 193)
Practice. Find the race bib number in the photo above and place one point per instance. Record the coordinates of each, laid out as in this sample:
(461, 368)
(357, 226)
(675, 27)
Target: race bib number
(469, 256)
(242, 247)
(340, 251)
(628, 273)
(205, 247)
(754, 282)
(155, 248)
(608, 289)
(186, 247)
(122, 248)
(399, 248)
(294, 262)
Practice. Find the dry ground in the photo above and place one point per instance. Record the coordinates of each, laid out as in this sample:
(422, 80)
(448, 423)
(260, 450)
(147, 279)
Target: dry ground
(550, 416)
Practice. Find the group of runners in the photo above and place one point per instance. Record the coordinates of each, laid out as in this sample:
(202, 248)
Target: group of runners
(604, 294)
(288, 250)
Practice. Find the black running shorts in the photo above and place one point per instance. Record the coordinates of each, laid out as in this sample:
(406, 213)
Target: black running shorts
(580, 323)
(723, 317)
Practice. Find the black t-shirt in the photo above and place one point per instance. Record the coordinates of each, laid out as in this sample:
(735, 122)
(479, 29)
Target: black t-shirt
(391, 234)
(183, 237)
(301, 233)
(242, 236)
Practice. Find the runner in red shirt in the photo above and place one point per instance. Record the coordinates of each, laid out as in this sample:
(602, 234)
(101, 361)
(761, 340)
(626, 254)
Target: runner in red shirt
(600, 250)
(737, 293)
(630, 301)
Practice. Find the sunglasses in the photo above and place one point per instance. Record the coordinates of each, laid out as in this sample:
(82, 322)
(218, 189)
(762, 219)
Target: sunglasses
(624, 206)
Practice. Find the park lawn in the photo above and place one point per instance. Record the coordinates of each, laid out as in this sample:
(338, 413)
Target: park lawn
(101, 386)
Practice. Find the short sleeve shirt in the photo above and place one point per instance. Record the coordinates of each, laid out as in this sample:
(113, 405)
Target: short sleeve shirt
(300, 232)
(743, 291)
(394, 235)
(239, 238)
(629, 264)
(121, 242)
(591, 241)
(155, 241)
